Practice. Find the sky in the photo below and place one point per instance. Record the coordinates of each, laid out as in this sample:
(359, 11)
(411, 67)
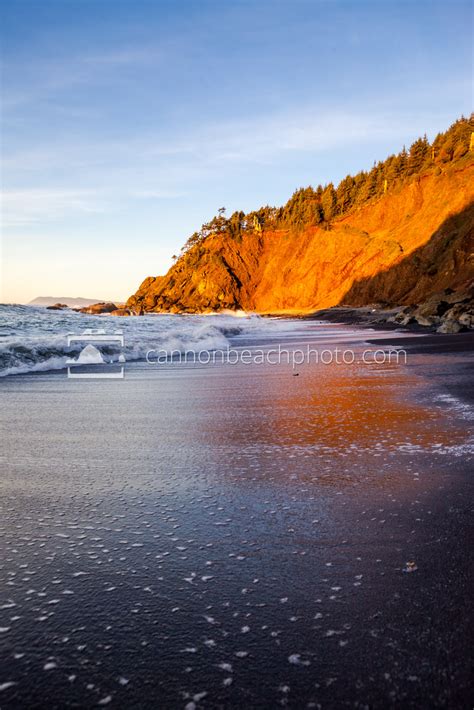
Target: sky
(126, 124)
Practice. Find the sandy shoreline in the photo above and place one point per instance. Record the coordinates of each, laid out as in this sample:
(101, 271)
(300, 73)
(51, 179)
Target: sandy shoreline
(452, 355)
(261, 538)
(456, 377)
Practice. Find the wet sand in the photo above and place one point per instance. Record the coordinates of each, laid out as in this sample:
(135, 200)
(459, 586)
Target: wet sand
(220, 537)
(449, 359)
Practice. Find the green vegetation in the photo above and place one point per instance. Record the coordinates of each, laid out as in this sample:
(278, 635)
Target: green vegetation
(311, 207)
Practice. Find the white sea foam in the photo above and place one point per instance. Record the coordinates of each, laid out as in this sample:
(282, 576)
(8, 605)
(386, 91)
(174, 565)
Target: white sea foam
(464, 409)
(35, 340)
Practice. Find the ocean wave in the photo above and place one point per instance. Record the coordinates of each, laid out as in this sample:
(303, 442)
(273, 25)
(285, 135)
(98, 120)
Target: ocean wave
(39, 354)
(34, 339)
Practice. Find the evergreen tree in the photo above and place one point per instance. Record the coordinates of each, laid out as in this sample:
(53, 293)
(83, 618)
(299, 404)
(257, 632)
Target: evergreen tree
(419, 155)
(344, 194)
(369, 188)
(308, 207)
(329, 202)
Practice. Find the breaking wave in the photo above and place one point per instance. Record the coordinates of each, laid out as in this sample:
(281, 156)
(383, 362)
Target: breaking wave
(33, 339)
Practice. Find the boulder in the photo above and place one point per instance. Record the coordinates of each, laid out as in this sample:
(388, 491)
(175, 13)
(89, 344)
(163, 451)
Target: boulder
(449, 326)
(427, 321)
(57, 307)
(121, 312)
(406, 319)
(98, 308)
(461, 313)
(467, 319)
(432, 308)
(403, 317)
(449, 310)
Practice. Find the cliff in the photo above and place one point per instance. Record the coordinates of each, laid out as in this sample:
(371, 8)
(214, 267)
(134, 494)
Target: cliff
(397, 249)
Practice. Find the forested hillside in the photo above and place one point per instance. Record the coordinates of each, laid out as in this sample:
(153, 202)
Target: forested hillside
(327, 244)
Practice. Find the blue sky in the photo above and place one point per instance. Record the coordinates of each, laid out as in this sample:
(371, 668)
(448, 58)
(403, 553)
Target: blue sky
(128, 123)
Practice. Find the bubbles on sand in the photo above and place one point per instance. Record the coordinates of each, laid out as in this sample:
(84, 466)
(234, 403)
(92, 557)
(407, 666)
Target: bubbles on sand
(180, 543)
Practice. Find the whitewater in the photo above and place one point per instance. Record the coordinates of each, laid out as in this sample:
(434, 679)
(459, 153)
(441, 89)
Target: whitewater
(34, 339)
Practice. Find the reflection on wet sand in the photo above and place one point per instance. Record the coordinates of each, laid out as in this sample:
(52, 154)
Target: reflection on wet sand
(216, 537)
(331, 422)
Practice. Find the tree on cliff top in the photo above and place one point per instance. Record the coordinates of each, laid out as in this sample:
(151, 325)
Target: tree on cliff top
(309, 207)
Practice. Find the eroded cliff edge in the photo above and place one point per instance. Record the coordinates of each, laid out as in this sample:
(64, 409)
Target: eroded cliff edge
(398, 249)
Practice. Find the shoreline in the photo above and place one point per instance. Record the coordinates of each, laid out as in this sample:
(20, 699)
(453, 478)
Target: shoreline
(261, 538)
(453, 375)
(404, 318)
(456, 377)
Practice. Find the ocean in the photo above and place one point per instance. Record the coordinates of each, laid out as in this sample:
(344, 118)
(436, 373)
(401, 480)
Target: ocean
(34, 339)
(213, 536)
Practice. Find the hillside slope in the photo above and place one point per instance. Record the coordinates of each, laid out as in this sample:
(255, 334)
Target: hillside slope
(72, 302)
(397, 249)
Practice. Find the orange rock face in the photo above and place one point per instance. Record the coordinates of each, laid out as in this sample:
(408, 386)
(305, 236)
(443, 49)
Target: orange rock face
(98, 308)
(398, 249)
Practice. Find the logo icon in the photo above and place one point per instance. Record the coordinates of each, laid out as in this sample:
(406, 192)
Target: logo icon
(101, 356)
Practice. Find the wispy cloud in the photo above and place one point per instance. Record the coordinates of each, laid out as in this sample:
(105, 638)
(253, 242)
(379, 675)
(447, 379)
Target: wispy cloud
(262, 138)
(308, 129)
(35, 206)
(102, 176)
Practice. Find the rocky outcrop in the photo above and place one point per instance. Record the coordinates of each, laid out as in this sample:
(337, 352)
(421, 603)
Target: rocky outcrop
(57, 307)
(98, 308)
(446, 312)
(121, 312)
(396, 250)
(108, 308)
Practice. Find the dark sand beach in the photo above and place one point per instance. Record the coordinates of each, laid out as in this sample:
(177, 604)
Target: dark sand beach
(219, 537)
(449, 359)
